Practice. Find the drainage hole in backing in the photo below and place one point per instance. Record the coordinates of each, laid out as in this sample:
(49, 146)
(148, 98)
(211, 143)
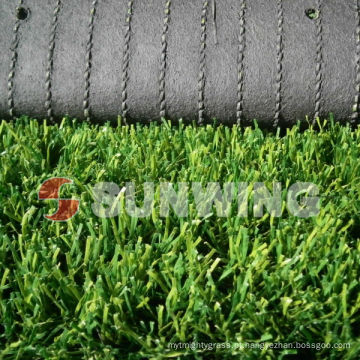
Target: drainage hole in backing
(312, 14)
(22, 13)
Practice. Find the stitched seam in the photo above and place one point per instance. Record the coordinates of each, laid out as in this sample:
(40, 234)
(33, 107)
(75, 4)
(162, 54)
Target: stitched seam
(89, 46)
(14, 57)
(164, 46)
(241, 56)
(280, 57)
(126, 60)
(201, 82)
(319, 62)
(355, 109)
(49, 70)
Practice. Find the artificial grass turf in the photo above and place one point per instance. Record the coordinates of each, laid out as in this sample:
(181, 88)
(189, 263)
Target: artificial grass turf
(124, 288)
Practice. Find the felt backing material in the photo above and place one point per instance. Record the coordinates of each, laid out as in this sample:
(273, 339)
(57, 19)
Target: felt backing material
(234, 60)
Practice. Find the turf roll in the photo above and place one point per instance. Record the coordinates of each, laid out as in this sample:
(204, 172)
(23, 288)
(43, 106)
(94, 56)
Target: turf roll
(235, 60)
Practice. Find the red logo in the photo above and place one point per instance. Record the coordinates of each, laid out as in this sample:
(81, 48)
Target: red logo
(67, 208)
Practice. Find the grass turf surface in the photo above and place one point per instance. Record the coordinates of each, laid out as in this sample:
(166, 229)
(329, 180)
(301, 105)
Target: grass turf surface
(123, 288)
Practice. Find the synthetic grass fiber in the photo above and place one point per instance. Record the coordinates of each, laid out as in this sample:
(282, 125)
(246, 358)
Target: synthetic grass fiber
(125, 288)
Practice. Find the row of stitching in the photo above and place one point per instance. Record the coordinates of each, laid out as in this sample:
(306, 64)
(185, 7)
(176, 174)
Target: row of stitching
(241, 57)
(355, 109)
(201, 81)
(279, 65)
(201, 84)
(163, 58)
(126, 60)
(14, 57)
(89, 46)
(319, 62)
(50, 59)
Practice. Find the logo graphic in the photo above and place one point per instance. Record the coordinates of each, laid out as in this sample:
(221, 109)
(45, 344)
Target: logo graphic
(67, 208)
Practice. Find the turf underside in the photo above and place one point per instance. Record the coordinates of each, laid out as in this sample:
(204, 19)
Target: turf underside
(124, 288)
